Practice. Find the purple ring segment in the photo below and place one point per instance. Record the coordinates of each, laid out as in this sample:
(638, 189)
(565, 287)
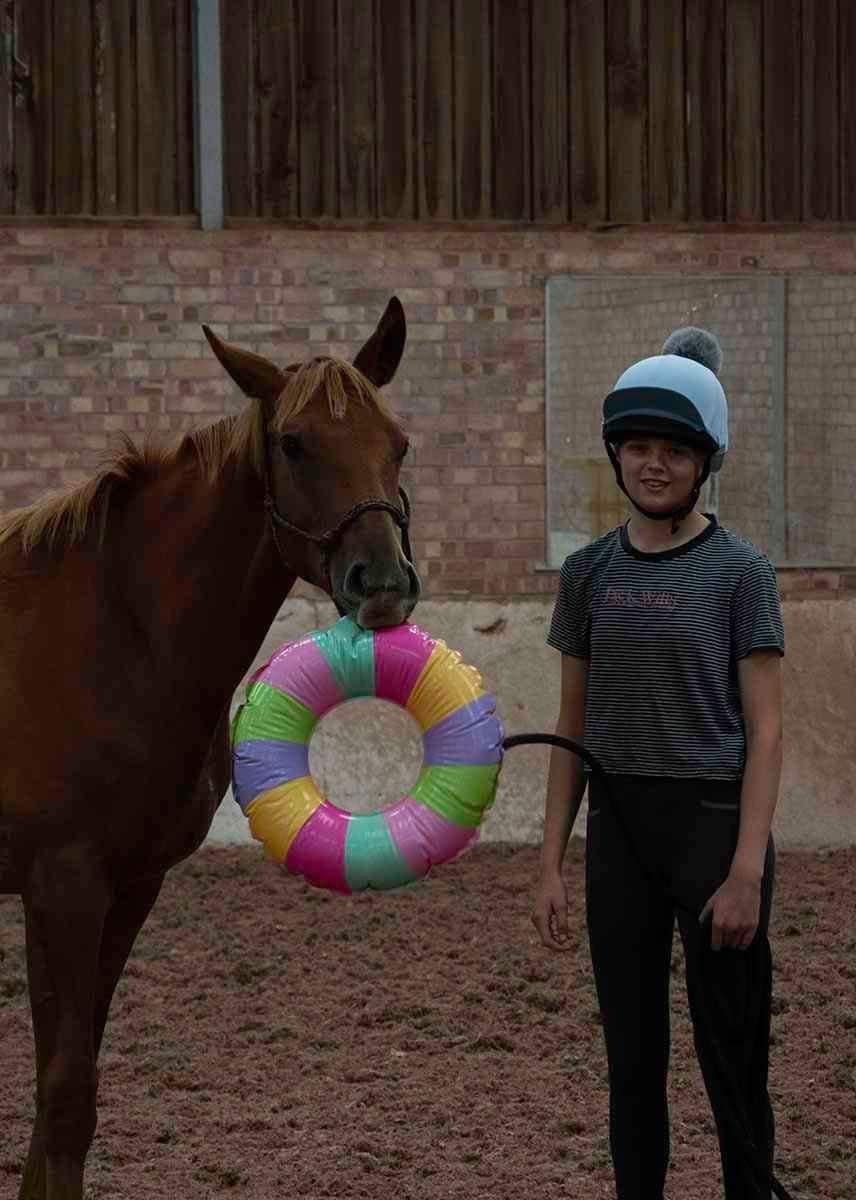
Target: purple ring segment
(300, 670)
(400, 653)
(318, 850)
(258, 766)
(423, 838)
(471, 736)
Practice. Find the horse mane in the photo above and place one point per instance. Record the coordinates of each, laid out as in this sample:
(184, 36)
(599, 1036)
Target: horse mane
(61, 521)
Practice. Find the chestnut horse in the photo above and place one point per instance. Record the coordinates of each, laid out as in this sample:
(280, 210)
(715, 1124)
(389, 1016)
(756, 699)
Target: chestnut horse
(130, 610)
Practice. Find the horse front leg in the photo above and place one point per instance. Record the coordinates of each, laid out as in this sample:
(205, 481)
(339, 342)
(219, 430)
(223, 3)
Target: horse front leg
(65, 902)
(43, 1009)
(124, 921)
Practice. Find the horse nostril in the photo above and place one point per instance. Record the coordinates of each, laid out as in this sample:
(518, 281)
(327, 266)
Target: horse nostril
(355, 580)
(363, 580)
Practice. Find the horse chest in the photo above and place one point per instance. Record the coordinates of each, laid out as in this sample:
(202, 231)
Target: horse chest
(175, 815)
(143, 801)
(182, 821)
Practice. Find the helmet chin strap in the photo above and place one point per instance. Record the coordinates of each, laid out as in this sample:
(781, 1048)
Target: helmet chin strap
(675, 515)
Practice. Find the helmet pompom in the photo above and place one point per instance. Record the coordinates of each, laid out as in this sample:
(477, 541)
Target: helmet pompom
(698, 344)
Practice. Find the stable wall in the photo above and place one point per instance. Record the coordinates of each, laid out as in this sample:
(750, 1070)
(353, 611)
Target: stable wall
(100, 333)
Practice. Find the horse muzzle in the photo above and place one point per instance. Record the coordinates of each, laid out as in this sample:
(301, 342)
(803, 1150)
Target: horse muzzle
(376, 598)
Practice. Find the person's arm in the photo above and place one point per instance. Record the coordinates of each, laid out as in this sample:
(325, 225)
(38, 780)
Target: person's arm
(760, 676)
(565, 788)
(735, 906)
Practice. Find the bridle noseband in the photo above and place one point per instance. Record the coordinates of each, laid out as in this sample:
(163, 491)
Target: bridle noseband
(327, 541)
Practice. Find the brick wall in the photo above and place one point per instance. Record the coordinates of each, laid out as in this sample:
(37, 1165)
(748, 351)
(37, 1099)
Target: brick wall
(822, 415)
(100, 332)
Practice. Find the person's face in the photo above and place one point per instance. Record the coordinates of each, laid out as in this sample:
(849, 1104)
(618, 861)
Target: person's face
(658, 473)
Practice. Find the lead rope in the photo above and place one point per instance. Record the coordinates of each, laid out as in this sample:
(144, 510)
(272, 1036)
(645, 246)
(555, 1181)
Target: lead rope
(736, 1116)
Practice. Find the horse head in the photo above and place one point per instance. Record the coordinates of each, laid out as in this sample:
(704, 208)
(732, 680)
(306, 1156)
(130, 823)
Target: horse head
(331, 453)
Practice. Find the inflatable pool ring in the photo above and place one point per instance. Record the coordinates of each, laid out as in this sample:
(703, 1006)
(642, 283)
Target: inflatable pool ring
(461, 756)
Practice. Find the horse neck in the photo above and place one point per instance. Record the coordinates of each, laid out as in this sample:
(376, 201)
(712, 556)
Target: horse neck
(206, 583)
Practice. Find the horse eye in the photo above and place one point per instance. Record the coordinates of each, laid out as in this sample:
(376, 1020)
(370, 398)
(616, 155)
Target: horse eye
(290, 446)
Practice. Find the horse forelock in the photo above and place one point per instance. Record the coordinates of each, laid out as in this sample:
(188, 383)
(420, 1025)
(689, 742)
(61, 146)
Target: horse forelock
(337, 380)
(243, 438)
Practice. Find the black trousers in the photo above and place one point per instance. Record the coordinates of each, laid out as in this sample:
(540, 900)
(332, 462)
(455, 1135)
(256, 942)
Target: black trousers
(656, 851)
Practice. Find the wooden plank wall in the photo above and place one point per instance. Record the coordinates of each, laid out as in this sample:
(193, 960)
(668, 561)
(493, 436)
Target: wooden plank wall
(571, 111)
(96, 107)
(543, 111)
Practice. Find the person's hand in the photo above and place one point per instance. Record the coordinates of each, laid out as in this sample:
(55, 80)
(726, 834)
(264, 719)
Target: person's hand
(550, 914)
(734, 910)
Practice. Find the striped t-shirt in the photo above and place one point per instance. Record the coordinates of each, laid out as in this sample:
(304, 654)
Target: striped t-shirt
(663, 634)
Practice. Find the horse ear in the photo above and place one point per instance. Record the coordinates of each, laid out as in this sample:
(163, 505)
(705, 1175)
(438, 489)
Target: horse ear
(379, 358)
(254, 375)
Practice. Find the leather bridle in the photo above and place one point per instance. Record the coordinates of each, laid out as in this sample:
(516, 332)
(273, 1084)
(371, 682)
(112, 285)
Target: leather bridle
(330, 538)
